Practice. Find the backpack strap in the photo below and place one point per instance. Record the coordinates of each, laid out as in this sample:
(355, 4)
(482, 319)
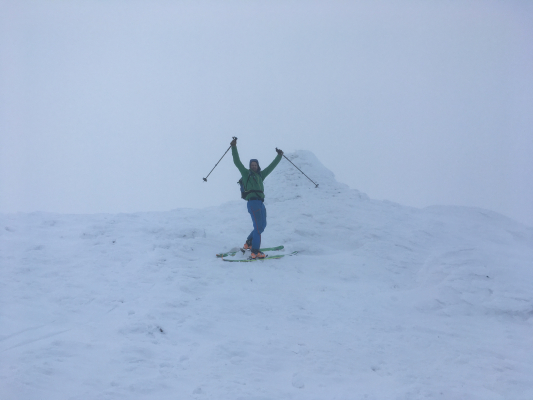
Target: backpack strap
(244, 192)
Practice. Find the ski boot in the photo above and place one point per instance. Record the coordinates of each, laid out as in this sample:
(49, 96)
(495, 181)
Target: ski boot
(248, 244)
(257, 255)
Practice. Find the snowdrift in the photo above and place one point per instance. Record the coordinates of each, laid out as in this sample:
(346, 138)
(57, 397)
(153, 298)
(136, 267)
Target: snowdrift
(383, 302)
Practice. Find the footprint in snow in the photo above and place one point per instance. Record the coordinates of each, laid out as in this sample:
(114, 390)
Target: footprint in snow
(298, 381)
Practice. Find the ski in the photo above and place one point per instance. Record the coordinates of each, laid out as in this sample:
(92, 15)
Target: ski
(261, 259)
(233, 252)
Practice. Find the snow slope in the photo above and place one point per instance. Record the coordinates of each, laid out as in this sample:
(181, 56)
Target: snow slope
(383, 302)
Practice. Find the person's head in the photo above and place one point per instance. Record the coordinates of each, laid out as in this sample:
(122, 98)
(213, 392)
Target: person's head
(254, 165)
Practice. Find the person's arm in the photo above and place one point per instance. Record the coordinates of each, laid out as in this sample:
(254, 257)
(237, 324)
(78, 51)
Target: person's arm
(236, 158)
(272, 165)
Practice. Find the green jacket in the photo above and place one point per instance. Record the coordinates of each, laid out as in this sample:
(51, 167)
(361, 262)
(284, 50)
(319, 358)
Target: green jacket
(250, 179)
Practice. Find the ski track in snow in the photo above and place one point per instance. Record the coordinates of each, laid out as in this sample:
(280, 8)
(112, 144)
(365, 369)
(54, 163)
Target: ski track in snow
(383, 302)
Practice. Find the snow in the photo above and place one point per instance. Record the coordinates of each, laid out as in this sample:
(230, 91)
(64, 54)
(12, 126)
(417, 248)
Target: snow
(382, 302)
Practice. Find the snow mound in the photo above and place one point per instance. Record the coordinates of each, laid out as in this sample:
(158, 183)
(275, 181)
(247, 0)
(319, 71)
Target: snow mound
(286, 182)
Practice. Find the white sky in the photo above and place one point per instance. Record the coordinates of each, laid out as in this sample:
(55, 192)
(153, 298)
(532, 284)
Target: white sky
(122, 106)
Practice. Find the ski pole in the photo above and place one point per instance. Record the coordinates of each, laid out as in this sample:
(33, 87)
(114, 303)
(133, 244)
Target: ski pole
(205, 179)
(316, 184)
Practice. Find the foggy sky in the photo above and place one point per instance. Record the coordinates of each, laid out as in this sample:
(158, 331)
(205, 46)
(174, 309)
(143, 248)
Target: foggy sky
(122, 106)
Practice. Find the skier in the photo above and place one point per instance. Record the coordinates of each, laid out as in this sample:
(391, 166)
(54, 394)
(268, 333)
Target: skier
(252, 180)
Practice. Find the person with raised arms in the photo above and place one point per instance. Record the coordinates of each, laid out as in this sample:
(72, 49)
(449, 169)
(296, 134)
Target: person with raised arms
(253, 193)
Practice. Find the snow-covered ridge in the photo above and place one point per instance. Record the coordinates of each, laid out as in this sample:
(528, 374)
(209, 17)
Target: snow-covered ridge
(384, 301)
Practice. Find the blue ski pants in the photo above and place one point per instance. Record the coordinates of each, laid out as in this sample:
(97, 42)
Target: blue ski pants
(257, 210)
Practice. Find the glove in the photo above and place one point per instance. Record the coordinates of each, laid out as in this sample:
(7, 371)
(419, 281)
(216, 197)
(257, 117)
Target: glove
(279, 151)
(234, 142)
